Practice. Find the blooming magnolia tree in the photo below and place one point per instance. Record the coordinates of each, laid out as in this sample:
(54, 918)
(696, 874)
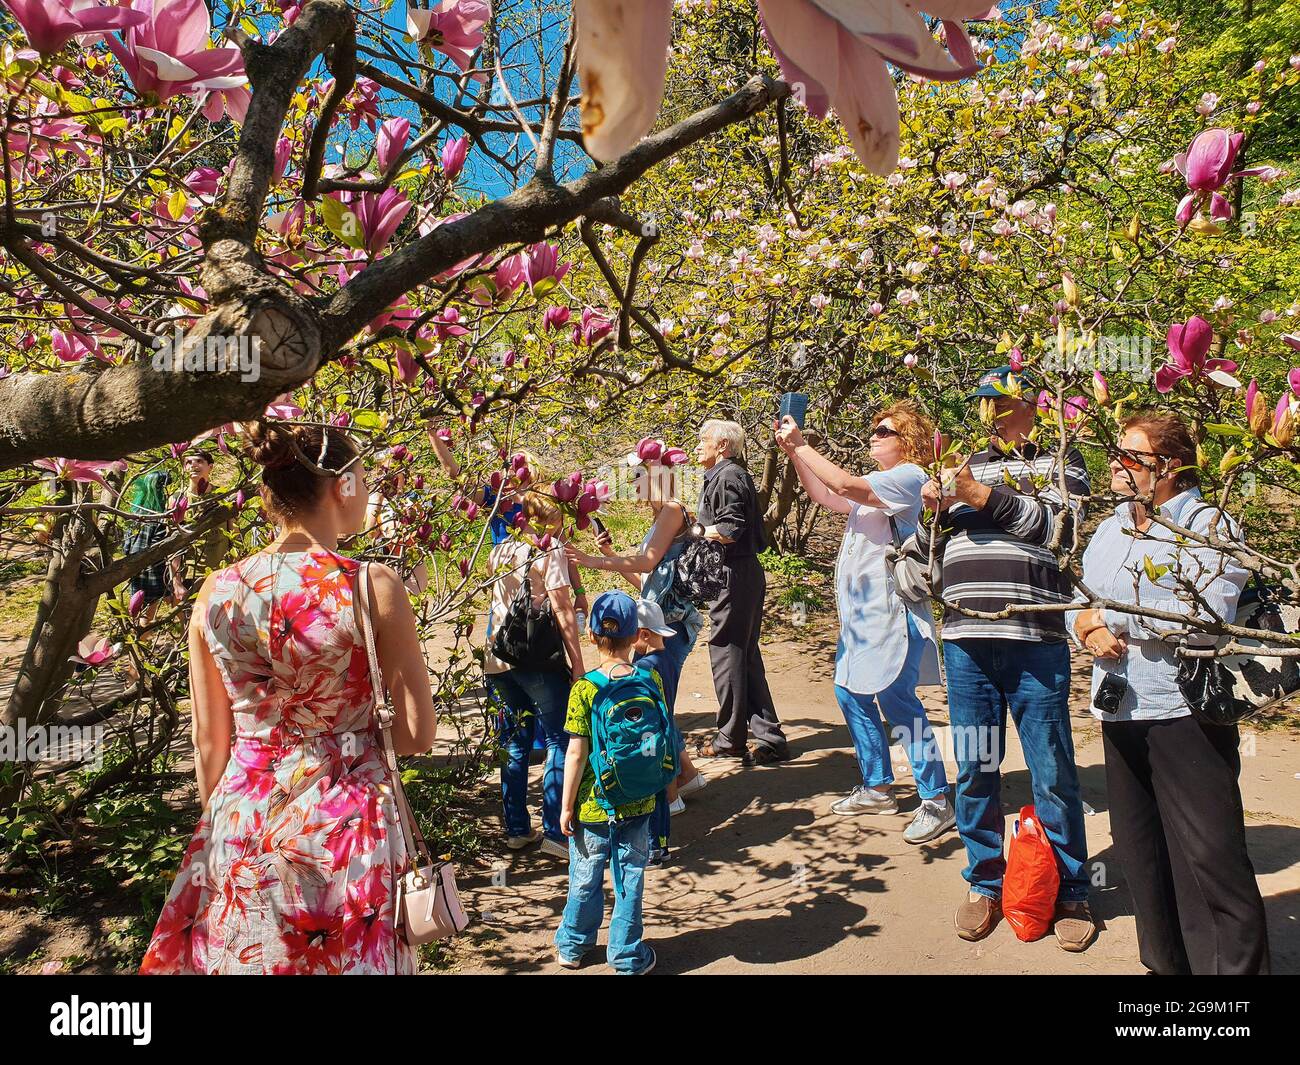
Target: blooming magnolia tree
(566, 228)
(342, 212)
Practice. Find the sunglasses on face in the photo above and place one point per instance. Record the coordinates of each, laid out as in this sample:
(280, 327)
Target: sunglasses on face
(883, 432)
(1133, 460)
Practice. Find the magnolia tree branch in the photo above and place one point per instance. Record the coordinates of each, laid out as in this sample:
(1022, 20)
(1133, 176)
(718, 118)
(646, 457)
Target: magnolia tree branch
(138, 405)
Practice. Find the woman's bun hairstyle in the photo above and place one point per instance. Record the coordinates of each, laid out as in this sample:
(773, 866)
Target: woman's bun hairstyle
(297, 461)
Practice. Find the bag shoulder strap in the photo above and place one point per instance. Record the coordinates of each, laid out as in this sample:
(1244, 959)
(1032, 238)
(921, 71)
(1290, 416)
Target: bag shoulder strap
(416, 848)
(893, 529)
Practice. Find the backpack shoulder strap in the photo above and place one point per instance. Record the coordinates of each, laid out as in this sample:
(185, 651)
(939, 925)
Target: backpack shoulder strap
(597, 678)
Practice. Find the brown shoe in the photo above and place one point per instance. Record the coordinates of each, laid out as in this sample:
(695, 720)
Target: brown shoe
(1075, 928)
(709, 749)
(976, 916)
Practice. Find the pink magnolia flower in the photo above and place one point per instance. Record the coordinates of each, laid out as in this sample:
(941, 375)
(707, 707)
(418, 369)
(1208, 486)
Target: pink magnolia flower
(73, 346)
(1100, 389)
(391, 142)
(567, 489)
(453, 27)
(379, 214)
(137, 602)
(82, 470)
(554, 318)
(541, 265)
(50, 24)
(673, 456)
(1188, 345)
(622, 56)
(649, 449)
(1293, 379)
(169, 53)
(1207, 163)
(596, 325)
(453, 156)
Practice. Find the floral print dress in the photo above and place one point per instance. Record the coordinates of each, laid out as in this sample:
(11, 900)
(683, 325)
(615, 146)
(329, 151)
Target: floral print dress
(293, 865)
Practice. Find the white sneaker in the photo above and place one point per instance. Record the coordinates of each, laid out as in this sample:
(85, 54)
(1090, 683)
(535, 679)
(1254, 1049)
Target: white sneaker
(568, 963)
(931, 821)
(697, 783)
(676, 806)
(554, 848)
(518, 843)
(863, 800)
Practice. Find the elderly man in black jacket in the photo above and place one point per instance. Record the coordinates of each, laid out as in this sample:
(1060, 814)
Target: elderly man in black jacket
(729, 513)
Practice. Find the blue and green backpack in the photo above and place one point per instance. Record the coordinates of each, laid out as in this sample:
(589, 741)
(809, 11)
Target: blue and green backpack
(633, 755)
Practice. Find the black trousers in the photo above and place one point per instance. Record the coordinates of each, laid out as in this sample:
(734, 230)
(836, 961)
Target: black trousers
(1179, 830)
(744, 701)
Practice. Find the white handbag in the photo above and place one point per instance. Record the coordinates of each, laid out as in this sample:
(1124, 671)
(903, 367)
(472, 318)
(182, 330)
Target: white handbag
(427, 905)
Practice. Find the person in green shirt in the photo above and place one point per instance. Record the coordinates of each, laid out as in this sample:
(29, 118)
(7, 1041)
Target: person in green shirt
(594, 841)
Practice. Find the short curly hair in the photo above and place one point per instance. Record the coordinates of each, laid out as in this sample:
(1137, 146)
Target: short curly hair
(915, 431)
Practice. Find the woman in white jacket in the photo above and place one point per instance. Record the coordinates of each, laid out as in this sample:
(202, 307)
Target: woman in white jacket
(1175, 806)
(886, 646)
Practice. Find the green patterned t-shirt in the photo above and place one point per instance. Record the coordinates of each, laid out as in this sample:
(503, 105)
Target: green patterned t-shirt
(578, 723)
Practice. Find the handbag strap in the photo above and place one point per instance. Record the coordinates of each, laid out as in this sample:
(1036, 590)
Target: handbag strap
(416, 847)
(893, 529)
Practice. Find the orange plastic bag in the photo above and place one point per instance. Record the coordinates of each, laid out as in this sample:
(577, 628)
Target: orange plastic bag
(1031, 881)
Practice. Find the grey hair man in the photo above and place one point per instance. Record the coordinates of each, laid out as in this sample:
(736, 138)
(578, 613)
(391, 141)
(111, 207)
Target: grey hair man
(729, 513)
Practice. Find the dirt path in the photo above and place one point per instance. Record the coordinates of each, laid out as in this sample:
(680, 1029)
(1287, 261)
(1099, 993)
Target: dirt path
(765, 879)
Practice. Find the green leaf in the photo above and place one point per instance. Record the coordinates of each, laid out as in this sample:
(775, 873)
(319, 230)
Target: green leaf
(342, 222)
(1219, 429)
(1153, 572)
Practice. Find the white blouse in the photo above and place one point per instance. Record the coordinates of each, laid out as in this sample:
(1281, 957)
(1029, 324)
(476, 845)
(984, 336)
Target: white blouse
(873, 617)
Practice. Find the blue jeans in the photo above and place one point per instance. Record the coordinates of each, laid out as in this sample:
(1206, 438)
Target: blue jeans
(591, 849)
(905, 713)
(527, 699)
(986, 678)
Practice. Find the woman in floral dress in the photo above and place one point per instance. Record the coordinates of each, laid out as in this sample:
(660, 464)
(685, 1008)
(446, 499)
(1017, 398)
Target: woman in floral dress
(293, 864)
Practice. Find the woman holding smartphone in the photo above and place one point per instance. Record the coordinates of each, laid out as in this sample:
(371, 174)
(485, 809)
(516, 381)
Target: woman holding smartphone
(1175, 805)
(886, 647)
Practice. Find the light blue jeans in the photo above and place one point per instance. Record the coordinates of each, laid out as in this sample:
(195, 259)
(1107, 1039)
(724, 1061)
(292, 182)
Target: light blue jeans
(905, 713)
(591, 849)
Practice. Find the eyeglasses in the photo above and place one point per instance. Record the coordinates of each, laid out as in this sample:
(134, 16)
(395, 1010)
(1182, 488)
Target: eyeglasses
(1131, 460)
(883, 432)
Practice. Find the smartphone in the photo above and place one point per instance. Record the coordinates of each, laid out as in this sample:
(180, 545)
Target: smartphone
(794, 404)
(598, 525)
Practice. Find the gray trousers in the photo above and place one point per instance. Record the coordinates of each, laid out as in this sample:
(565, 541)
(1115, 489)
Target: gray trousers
(744, 701)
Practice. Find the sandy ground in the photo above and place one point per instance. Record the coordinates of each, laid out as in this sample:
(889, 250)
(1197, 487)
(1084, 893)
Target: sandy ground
(765, 879)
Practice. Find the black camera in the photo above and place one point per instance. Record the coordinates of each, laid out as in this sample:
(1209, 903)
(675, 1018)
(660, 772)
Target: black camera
(1110, 693)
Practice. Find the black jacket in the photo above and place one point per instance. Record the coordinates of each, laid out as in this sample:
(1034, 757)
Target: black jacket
(728, 500)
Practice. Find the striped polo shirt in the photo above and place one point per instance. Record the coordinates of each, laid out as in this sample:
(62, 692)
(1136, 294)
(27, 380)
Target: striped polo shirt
(1000, 556)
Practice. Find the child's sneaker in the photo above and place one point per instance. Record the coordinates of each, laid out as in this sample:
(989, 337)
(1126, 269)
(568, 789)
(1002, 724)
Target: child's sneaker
(568, 963)
(697, 783)
(658, 856)
(676, 807)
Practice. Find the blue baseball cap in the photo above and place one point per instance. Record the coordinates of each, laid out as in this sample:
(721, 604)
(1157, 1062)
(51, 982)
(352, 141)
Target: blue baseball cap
(990, 380)
(614, 614)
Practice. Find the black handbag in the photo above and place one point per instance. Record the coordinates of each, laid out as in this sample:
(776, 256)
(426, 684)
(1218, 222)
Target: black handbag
(529, 636)
(701, 572)
(1229, 689)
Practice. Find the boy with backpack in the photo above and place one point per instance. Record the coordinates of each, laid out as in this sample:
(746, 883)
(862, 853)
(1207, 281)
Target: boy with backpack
(621, 755)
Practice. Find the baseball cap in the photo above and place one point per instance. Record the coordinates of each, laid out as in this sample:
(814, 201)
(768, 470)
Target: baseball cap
(649, 615)
(988, 385)
(614, 614)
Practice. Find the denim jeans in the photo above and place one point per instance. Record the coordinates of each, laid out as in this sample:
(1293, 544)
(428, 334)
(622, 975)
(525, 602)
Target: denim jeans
(528, 699)
(591, 849)
(986, 678)
(905, 713)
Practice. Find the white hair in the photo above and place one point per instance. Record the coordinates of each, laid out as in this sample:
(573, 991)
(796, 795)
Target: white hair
(729, 433)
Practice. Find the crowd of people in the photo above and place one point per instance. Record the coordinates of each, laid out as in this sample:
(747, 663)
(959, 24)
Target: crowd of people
(295, 864)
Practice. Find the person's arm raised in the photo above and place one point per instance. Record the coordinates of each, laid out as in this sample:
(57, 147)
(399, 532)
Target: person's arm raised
(449, 464)
(212, 722)
(401, 662)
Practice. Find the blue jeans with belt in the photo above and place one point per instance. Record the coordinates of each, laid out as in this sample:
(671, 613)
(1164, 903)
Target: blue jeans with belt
(528, 700)
(1031, 679)
(899, 704)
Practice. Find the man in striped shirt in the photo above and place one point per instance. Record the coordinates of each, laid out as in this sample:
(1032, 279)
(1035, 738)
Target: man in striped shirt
(1005, 648)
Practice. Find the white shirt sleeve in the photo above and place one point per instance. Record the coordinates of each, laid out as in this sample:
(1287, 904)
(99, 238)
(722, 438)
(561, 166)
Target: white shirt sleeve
(898, 489)
(556, 570)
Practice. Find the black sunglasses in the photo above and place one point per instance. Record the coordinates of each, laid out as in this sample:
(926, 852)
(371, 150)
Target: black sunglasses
(883, 432)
